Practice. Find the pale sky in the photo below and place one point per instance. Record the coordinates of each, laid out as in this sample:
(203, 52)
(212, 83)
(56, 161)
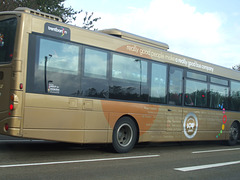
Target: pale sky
(208, 30)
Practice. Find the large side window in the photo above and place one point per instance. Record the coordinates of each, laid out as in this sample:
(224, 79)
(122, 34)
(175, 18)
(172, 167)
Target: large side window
(175, 86)
(219, 93)
(62, 57)
(129, 78)
(196, 90)
(95, 63)
(158, 83)
(196, 94)
(128, 68)
(235, 95)
(95, 81)
(219, 96)
(53, 67)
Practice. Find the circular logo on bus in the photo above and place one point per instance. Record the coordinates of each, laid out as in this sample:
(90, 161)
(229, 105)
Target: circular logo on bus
(190, 125)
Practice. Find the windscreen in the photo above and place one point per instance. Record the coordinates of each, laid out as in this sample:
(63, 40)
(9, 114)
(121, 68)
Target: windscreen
(7, 37)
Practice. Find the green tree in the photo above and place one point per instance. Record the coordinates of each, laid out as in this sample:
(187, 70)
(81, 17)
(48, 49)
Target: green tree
(56, 7)
(236, 67)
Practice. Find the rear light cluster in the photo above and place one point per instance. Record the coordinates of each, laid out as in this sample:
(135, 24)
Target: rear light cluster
(11, 107)
(13, 99)
(11, 103)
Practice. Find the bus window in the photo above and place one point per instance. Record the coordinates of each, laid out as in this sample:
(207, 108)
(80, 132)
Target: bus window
(129, 79)
(175, 86)
(95, 82)
(7, 37)
(158, 83)
(95, 63)
(62, 57)
(219, 81)
(53, 67)
(196, 76)
(235, 96)
(127, 68)
(218, 96)
(196, 94)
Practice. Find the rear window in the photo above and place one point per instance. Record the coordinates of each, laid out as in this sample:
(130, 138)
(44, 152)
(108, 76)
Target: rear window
(7, 37)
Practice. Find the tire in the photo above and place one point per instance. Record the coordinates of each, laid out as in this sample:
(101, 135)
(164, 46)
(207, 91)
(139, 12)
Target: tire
(124, 135)
(233, 134)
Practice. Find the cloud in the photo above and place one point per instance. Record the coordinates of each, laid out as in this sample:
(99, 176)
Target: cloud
(176, 23)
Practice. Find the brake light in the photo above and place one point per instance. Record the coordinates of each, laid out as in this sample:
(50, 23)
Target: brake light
(11, 107)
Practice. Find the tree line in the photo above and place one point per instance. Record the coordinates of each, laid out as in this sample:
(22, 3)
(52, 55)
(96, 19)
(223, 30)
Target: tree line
(56, 7)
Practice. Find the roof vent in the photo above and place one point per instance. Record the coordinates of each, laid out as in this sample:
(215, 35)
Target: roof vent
(135, 38)
(39, 13)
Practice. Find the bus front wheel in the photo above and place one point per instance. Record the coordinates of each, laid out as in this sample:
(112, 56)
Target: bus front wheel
(233, 134)
(124, 135)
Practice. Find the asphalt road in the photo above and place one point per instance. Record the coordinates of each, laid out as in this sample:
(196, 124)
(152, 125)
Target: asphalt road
(24, 159)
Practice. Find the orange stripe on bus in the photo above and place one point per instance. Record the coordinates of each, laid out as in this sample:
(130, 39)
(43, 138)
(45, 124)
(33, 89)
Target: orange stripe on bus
(144, 114)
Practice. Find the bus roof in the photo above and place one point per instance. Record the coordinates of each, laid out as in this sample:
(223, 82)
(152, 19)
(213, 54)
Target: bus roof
(136, 38)
(38, 13)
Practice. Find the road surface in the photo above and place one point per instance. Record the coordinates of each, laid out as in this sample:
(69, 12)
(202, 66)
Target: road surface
(25, 159)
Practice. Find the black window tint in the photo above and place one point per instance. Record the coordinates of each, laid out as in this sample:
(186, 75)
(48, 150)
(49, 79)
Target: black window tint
(197, 76)
(235, 96)
(158, 83)
(175, 86)
(93, 87)
(219, 96)
(196, 94)
(95, 63)
(129, 79)
(53, 67)
(219, 81)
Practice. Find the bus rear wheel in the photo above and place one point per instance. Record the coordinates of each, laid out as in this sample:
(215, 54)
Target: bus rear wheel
(233, 134)
(124, 135)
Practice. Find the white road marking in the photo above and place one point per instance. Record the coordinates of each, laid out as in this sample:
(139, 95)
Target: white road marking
(194, 168)
(77, 161)
(217, 150)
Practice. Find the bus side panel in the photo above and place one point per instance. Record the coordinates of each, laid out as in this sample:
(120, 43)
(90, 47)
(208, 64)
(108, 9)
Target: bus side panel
(79, 120)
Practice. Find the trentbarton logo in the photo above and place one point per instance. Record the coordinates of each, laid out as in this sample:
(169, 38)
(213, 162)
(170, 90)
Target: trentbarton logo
(57, 31)
(190, 125)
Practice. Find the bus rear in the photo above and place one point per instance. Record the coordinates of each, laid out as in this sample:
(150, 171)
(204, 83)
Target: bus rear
(8, 27)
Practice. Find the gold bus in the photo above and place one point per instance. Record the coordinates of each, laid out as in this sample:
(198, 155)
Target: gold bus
(64, 83)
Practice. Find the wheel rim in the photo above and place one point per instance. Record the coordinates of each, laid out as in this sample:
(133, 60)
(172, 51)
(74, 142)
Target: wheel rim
(124, 135)
(234, 132)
